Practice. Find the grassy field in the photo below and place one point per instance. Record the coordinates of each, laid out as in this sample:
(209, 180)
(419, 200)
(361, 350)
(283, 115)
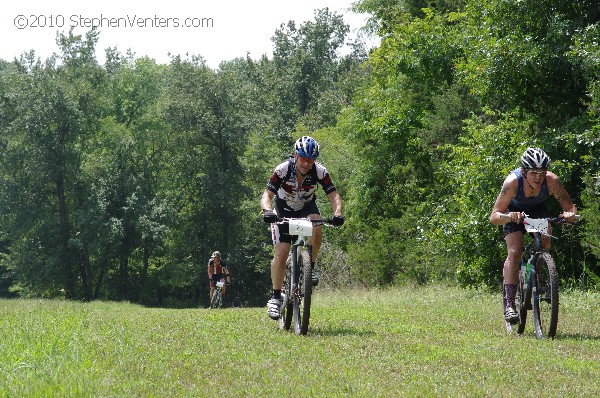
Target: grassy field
(431, 341)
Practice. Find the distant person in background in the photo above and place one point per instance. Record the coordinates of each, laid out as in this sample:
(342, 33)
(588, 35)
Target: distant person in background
(217, 272)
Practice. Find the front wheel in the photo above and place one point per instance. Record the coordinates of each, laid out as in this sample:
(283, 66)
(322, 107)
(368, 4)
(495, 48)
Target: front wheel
(545, 303)
(216, 301)
(303, 295)
(285, 320)
(523, 302)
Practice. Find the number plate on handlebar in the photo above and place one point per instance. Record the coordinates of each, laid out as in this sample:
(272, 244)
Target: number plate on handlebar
(301, 227)
(536, 225)
(220, 284)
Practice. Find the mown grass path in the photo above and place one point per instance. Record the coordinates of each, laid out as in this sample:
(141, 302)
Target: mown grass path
(431, 341)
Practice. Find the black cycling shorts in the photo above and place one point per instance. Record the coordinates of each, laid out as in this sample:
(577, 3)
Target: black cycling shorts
(280, 232)
(537, 212)
(216, 278)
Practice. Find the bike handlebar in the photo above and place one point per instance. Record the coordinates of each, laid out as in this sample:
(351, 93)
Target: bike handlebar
(558, 220)
(316, 222)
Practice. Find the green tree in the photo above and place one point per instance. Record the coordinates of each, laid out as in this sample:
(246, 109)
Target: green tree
(55, 108)
(207, 110)
(306, 60)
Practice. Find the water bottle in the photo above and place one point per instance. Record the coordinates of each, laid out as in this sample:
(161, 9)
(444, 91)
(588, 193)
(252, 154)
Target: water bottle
(527, 273)
(522, 270)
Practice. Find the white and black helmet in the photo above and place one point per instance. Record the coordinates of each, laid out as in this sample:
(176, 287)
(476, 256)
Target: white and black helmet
(535, 158)
(216, 254)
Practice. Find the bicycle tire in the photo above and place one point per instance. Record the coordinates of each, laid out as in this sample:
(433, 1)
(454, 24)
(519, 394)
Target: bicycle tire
(215, 302)
(522, 303)
(303, 298)
(545, 308)
(285, 320)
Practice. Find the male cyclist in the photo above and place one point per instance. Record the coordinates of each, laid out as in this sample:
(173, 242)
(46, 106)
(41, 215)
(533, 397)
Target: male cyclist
(293, 185)
(525, 191)
(217, 271)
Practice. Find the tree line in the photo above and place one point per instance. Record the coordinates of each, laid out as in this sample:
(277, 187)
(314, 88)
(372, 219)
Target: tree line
(117, 181)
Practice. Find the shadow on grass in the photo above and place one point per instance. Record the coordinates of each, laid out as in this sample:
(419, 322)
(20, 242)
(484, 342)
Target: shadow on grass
(339, 331)
(576, 336)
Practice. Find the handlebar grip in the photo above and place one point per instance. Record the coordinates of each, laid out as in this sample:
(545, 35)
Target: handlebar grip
(505, 216)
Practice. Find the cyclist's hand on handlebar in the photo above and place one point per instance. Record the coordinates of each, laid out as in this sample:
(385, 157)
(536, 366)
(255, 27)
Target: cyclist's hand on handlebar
(516, 216)
(568, 216)
(337, 221)
(269, 216)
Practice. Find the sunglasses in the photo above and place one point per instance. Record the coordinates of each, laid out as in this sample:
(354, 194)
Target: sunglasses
(538, 173)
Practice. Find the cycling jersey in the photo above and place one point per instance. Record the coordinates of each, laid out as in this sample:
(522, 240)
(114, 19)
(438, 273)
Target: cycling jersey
(217, 269)
(521, 202)
(289, 195)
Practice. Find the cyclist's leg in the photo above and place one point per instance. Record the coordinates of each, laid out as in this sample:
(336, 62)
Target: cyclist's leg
(277, 275)
(224, 288)
(546, 240)
(510, 270)
(212, 288)
(317, 238)
(315, 241)
(282, 243)
(514, 248)
(282, 250)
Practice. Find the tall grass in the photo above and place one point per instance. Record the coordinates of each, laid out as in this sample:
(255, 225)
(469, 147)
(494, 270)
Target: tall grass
(426, 341)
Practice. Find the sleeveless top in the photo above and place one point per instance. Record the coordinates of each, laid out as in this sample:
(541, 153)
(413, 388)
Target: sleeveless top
(523, 203)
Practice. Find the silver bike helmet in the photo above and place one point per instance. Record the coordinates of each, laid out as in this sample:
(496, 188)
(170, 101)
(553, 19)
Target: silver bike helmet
(535, 158)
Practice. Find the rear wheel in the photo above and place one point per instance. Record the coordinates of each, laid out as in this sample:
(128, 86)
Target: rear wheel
(545, 304)
(304, 291)
(285, 320)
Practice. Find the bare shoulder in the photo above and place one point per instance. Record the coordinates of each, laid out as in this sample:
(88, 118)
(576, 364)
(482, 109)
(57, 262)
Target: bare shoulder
(558, 190)
(510, 186)
(507, 193)
(553, 182)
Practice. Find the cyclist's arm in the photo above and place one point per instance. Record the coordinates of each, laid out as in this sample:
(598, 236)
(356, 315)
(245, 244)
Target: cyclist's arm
(507, 193)
(562, 196)
(336, 203)
(266, 200)
(227, 274)
(210, 273)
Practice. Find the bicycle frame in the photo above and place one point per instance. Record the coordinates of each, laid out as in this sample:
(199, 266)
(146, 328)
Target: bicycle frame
(538, 285)
(217, 298)
(297, 289)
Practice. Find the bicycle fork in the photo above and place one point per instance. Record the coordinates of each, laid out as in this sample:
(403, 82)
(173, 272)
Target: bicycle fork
(297, 267)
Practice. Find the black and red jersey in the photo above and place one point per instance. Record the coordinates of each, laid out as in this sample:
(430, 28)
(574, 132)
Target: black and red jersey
(289, 193)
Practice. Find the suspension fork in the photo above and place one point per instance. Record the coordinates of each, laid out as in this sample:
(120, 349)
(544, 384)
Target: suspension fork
(294, 274)
(536, 249)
